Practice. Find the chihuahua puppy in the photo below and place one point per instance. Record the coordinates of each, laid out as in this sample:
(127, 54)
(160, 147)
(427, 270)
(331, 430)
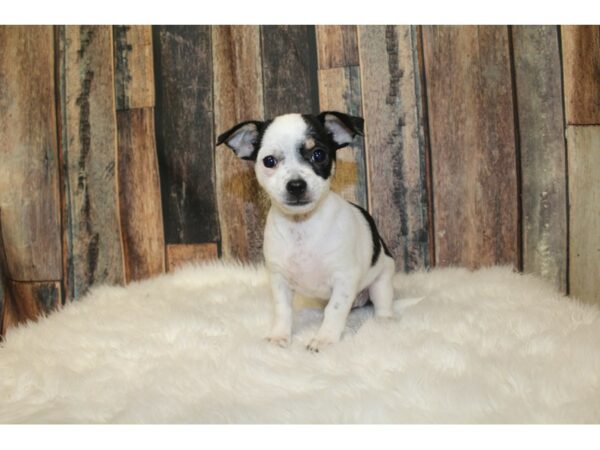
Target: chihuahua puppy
(316, 243)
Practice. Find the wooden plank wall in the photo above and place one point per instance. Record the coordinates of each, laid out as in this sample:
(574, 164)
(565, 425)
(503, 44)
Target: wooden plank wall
(482, 147)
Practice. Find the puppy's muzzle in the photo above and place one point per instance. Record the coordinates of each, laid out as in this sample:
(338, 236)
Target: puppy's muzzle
(296, 188)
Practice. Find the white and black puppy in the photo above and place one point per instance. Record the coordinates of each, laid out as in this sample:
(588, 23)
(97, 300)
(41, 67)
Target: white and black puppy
(316, 243)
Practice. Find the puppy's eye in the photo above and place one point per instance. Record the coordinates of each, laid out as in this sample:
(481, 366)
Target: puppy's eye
(318, 156)
(269, 161)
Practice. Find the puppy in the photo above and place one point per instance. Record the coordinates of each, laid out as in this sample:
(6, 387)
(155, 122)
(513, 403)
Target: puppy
(316, 243)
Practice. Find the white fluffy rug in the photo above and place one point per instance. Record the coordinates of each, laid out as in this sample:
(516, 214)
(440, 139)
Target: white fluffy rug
(487, 346)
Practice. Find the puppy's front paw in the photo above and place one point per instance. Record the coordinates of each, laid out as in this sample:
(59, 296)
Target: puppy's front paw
(282, 341)
(318, 344)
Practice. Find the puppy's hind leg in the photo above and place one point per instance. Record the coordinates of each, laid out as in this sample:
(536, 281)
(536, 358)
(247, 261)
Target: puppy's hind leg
(381, 290)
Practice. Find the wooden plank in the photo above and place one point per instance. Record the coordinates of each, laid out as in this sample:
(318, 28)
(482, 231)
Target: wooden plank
(185, 138)
(29, 176)
(395, 142)
(581, 66)
(337, 46)
(5, 300)
(242, 205)
(339, 90)
(134, 69)
(584, 212)
(471, 121)
(180, 254)
(32, 299)
(139, 195)
(89, 147)
(290, 69)
(542, 147)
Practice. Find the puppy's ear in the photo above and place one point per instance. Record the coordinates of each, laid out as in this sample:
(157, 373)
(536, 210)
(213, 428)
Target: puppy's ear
(343, 128)
(243, 139)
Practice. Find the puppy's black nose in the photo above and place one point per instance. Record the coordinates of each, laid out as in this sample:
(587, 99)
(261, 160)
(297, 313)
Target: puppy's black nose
(296, 187)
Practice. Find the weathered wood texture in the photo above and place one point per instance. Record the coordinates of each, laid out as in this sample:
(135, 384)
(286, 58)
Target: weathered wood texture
(584, 212)
(339, 90)
(134, 70)
(5, 301)
(289, 69)
(542, 147)
(473, 151)
(180, 254)
(238, 96)
(395, 143)
(337, 46)
(581, 66)
(185, 138)
(139, 195)
(29, 170)
(89, 154)
(31, 300)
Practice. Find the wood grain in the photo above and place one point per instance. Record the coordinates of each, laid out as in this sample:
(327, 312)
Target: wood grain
(180, 254)
(29, 170)
(139, 195)
(5, 300)
(395, 142)
(242, 205)
(185, 138)
(337, 46)
(289, 69)
(89, 154)
(339, 90)
(581, 69)
(471, 120)
(134, 69)
(584, 212)
(542, 147)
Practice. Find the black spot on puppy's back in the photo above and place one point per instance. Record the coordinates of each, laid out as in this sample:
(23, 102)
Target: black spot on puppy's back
(375, 237)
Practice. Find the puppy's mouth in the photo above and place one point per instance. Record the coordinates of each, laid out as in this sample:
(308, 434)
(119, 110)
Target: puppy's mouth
(297, 202)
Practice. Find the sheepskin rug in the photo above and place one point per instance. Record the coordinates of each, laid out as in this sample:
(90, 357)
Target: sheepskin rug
(489, 346)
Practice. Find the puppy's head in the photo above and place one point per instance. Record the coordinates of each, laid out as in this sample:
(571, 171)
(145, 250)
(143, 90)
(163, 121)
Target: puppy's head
(294, 154)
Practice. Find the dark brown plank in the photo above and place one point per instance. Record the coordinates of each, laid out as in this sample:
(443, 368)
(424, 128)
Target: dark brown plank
(238, 94)
(29, 170)
(472, 133)
(180, 254)
(542, 147)
(185, 138)
(337, 46)
(89, 154)
(584, 212)
(289, 69)
(581, 69)
(139, 195)
(395, 142)
(134, 71)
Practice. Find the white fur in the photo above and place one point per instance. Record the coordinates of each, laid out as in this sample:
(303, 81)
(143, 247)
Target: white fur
(322, 249)
(489, 346)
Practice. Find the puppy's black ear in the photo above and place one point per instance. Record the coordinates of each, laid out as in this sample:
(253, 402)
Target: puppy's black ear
(342, 127)
(243, 139)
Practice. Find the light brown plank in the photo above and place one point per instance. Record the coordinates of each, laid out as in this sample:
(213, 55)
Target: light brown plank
(139, 195)
(29, 176)
(395, 143)
(339, 90)
(5, 300)
(89, 146)
(134, 67)
(542, 148)
(180, 254)
(336, 46)
(584, 212)
(581, 66)
(471, 120)
(238, 96)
